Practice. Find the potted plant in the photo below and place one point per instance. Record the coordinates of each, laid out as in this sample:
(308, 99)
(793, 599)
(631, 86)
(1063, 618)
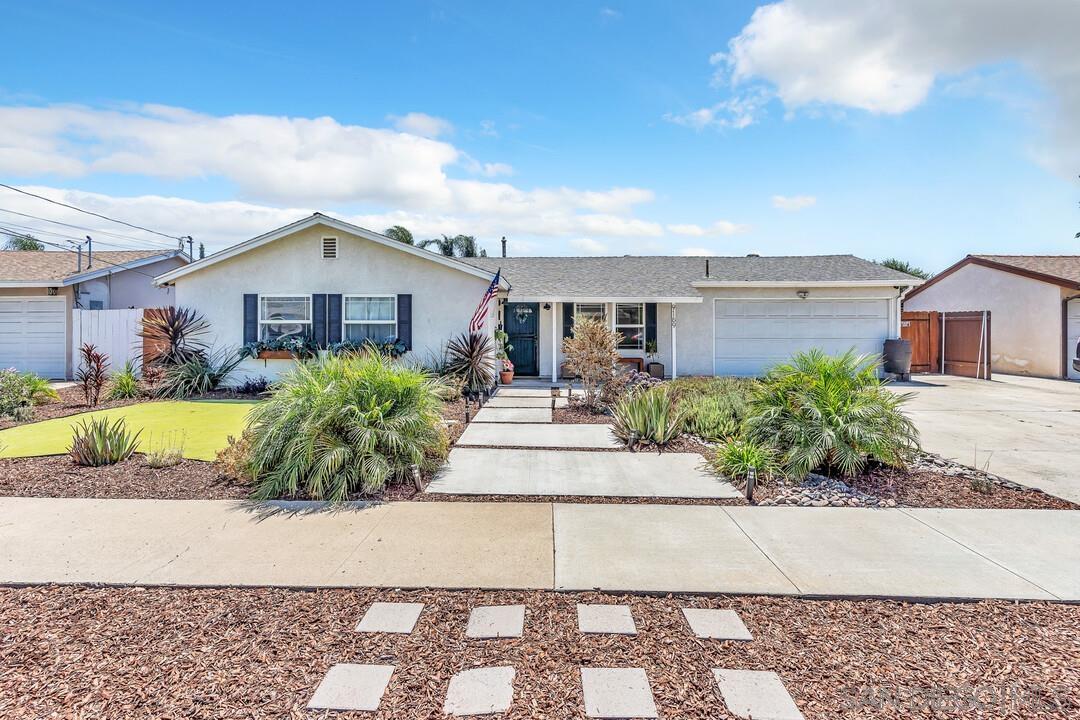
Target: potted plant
(506, 372)
(654, 368)
(506, 368)
(286, 347)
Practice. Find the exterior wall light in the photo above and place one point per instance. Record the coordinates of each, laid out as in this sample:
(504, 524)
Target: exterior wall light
(803, 294)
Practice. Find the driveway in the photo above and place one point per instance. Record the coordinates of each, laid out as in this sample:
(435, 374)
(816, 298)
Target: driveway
(1023, 429)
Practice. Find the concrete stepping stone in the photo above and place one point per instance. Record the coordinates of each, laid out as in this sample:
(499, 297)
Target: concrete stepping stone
(605, 620)
(617, 693)
(756, 694)
(480, 691)
(352, 687)
(511, 391)
(501, 401)
(552, 435)
(390, 617)
(716, 624)
(496, 621)
(513, 415)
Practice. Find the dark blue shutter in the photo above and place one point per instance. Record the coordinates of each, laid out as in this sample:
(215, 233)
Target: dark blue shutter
(318, 319)
(251, 318)
(650, 322)
(567, 319)
(333, 319)
(404, 320)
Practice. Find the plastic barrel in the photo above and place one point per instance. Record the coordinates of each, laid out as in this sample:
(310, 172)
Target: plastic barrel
(897, 356)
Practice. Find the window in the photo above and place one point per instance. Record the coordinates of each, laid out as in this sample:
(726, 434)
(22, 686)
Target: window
(630, 323)
(370, 317)
(282, 315)
(594, 311)
(329, 247)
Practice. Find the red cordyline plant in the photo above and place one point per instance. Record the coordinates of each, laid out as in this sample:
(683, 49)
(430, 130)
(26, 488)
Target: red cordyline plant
(174, 334)
(91, 374)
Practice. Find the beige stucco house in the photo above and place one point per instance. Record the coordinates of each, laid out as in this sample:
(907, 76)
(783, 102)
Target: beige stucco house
(1034, 304)
(332, 281)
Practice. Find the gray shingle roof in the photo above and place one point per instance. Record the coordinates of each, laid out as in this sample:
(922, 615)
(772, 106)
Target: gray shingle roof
(673, 276)
(1066, 267)
(56, 265)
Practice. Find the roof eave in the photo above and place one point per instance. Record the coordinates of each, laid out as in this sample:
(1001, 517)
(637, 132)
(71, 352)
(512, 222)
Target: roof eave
(609, 298)
(993, 265)
(806, 283)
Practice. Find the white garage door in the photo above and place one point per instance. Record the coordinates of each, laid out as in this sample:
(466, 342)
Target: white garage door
(33, 335)
(1074, 336)
(752, 335)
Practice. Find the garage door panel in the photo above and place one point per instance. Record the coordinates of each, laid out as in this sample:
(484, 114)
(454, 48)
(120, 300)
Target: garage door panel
(1074, 336)
(33, 335)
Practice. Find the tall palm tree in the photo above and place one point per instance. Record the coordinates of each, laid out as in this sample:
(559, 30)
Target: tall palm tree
(459, 245)
(445, 245)
(467, 247)
(400, 233)
(23, 242)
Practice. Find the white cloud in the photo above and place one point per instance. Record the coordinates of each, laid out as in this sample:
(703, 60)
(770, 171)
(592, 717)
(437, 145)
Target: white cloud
(422, 124)
(885, 56)
(720, 227)
(588, 246)
(609, 13)
(737, 112)
(794, 202)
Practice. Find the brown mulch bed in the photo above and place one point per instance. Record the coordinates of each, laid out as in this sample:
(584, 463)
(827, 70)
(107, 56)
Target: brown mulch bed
(933, 490)
(260, 653)
(58, 476)
(71, 403)
(578, 414)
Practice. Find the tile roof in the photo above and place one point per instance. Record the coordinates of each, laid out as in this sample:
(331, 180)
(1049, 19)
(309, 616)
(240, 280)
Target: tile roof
(1066, 267)
(672, 276)
(57, 265)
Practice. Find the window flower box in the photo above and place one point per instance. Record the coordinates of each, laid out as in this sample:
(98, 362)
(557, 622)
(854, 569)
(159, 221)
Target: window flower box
(275, 355)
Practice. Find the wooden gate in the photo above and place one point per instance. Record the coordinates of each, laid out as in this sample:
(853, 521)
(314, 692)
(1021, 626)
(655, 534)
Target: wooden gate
(953, 343)
(114, 332)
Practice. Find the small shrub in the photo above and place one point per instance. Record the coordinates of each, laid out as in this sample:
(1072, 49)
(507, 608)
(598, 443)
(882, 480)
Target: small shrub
(197, 375)
(254, 385)
(23, 413)
(982, 485)
(174, 334)
(649, 416)
(167, 451)
(234, 460)
(736, 458)
(124, 385)
(92, 374)
(592, 352)
(39, 390)
(13, 393)
(98, 442)
(471, 358)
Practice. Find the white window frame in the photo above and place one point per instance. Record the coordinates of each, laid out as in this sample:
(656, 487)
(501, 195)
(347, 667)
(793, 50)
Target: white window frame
(346, 323)
(602, 306)
(617, 328)
(311, 312)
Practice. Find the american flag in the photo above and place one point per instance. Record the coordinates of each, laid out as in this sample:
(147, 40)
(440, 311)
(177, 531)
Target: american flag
(480, 316)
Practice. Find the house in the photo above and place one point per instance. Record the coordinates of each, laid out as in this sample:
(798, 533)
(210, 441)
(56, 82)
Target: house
(722, 315)
(1034, 304)
(39, 289)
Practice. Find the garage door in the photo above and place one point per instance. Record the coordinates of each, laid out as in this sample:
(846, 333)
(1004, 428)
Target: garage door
(33, 335)
(752, 335)
(1074, 336)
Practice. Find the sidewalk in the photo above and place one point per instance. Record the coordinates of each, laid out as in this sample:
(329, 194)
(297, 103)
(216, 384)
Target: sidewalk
(833, 552)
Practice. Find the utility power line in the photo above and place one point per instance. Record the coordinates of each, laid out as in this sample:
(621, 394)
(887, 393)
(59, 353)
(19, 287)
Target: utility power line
(65, 248)
(95, 231)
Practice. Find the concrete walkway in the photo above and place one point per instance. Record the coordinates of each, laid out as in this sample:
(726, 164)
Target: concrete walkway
(841, 552)
(549, 435)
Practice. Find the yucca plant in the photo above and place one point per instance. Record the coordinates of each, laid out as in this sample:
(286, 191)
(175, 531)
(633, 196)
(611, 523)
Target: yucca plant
(197, 375)
(92, 373)
(97, 442)
(471, 357)
(174, 335)
(649, 415)
(831, 413)
(124, 385)
(344, 425)
(736, 458)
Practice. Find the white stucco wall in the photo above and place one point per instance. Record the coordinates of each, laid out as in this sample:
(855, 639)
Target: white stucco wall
(1025, 316)
(443, 298)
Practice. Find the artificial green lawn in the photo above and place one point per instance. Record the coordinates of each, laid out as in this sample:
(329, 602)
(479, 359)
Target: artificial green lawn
(204, 425)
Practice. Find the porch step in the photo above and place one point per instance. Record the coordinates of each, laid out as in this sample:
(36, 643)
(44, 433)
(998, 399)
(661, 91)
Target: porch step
(527, 401)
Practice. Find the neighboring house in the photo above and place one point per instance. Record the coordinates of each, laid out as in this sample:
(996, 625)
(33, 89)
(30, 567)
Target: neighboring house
(1034, 304)
(39, 289)
(721, 315)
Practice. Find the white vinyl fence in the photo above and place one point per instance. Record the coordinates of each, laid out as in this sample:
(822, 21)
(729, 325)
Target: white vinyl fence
(114, 332)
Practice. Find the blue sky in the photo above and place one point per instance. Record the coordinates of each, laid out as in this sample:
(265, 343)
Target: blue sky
(571, 128)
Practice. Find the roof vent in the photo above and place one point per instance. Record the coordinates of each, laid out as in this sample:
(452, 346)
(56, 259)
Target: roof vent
(329, 247)
(752, 255)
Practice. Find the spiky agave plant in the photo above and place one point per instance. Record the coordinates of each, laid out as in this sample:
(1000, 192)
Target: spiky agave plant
(649, 415)
(343, 425)
(831, 413)
(197, 375)
(97, 442)
(471, 357)
(175, 335)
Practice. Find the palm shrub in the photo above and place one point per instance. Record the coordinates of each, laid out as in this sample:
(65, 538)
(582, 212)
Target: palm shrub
(736, 458)
(38, 389)
(592, 353)
(97, 442)
(831, 413)
(471, 358)
(344, 425)
(197, 375)
(649, 415)
(124, 385)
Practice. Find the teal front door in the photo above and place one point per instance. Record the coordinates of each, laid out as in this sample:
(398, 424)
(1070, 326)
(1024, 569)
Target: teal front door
(521, 321)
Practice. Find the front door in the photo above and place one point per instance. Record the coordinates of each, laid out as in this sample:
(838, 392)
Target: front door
(522, 324)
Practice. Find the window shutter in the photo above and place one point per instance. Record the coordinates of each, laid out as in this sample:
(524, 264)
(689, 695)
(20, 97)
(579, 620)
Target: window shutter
(650, 323)
(404, 320)
(567, 319)
(251, 318)
(318, 319)
(333, 319)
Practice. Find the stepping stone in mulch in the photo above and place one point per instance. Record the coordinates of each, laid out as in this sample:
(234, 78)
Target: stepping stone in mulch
(756, 694)
(496, 621)
(605, 619)
(716, 624)
(389, 617)
(352, 687)
(617, 693)
(480, 691)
